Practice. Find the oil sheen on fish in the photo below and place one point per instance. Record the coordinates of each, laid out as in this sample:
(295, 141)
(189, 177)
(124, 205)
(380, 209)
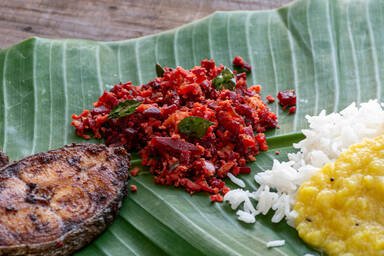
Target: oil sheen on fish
(54, 203)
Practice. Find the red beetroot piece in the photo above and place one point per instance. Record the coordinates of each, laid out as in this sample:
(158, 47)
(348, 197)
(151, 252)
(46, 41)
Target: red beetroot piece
(239, 63)
(270, 99)
(292, 110)
(287, 98)
(133, 188)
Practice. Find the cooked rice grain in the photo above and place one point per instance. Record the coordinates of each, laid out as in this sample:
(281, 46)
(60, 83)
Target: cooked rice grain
(275, 243)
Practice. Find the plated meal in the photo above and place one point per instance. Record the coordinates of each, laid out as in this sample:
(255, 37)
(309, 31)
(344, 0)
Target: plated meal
(261, 133)
(194, 129)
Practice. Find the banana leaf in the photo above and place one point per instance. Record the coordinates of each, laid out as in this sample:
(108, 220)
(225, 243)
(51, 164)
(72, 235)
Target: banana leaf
(331, 52)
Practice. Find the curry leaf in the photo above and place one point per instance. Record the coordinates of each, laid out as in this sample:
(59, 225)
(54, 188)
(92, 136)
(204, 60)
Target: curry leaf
(159, 70)
(225, 80)
(194, 126)
(124, 108)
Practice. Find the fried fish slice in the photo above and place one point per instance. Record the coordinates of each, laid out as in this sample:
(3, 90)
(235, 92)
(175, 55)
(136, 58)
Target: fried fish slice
(3, 159)
(54, 203)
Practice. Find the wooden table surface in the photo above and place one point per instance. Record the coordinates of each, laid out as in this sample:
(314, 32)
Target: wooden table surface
(107, 19)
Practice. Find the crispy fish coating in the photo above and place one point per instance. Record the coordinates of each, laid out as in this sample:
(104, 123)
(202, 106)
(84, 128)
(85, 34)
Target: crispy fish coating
(3, 159)
(54, 203)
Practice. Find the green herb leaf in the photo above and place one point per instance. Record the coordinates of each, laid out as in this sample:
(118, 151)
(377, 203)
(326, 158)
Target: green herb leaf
(124, 108)
(194, 126)
(225, 80)
(159, 70)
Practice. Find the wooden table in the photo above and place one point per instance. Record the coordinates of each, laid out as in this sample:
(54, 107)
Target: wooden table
(107, 19)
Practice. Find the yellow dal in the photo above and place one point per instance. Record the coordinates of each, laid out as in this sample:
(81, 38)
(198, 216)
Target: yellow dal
(341, 208)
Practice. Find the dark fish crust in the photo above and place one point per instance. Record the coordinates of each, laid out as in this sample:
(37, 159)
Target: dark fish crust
(3, 159)
(56, 202)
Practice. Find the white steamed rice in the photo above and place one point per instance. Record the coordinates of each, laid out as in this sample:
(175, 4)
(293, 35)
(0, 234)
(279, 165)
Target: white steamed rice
(235, 180)
(326, 138)
(275, 243)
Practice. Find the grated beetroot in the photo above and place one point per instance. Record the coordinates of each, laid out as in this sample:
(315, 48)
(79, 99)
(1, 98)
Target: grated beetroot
(239, 63)
(133, 188)
(270, 99)
(287, 98)
(292, 110)
(134, 171)
(239, 119)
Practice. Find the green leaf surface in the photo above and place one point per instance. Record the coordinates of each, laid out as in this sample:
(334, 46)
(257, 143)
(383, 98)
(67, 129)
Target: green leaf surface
(331, 52)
